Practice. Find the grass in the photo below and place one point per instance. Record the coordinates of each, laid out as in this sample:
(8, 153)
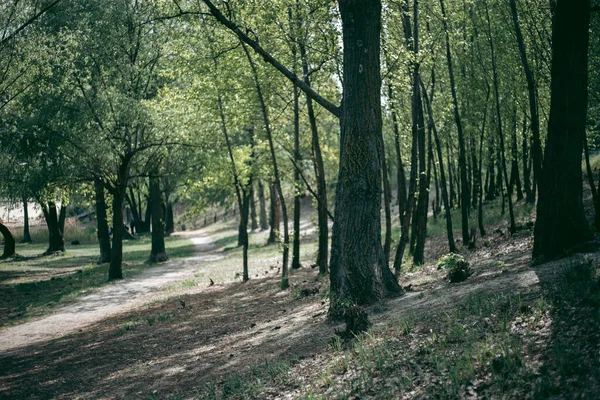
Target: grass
(535, 344)
(31, 285)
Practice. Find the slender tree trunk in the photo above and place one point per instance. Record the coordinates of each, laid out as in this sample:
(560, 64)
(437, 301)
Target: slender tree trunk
(116, 258)
(452, 198)
(157, 251)
(480, 169)
(515, 178)
(512, 227)
(536, 148)
(262, 214)
(274, 215)
(401, 174)
(297, 183)
(169, 221)
(148, 214)
(526, 170)
(462, 162)
(445, 199)
(253, 219)
(26, 234)
(9, 242)
(133, 206)
(102, 221)
(277, 180)
(593, 189)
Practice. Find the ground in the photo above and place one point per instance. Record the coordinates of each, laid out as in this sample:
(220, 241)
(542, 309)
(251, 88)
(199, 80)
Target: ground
(510, 330)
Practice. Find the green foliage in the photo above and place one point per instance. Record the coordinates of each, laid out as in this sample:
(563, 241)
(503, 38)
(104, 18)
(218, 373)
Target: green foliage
(458, 268)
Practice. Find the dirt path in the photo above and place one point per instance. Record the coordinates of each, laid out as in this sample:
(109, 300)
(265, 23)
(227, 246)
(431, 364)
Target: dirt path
(116, 298)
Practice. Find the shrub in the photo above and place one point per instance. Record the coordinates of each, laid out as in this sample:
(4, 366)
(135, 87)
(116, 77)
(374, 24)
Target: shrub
(458, 268)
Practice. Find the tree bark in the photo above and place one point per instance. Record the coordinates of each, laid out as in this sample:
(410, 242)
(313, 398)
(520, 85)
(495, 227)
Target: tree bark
(297, 161)
(359, 273)
(526, 169)
(9, 242)
(515, 178)
(561, 222)
(593, 189)
(274, 215)
(102, 223)
(118, 190)
(26, 234)
(56, 240)
(157, 251)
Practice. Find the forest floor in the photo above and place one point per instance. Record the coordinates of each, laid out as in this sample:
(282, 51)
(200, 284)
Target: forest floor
(511, 330)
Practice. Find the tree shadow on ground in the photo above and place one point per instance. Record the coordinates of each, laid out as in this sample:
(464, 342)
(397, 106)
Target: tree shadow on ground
(166, 347)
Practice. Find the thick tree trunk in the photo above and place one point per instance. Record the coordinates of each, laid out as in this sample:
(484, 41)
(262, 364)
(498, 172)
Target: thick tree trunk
(118, 191)
(536, 148)
(102, 223)
(262, 207)
(462, 162)
(359, 273)
(157, 251)
(561, 222)
(56, 240)
(26, 234)
(9, 242)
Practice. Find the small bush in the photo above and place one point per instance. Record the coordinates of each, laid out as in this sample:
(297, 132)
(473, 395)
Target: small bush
(458, 268)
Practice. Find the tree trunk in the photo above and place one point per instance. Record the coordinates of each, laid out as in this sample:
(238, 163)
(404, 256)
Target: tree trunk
(274, 215)
(116, 257)
(26, 234)
(118, 191)
(323, 250)
(512, 226)
(359, 273)
(133, 206)
(56, 240)
(590, 176)
(401, 174)
(536, 148)
(262, 214)
(480, 168)
(387, 202)
(418, 130)
(102, 221)
(148, 215)
(450, 234)
(297, 183)
(462, 162)
(253, 219)
(157, 251)
(277, 179)
(561, 222)
(515, 178)
(169, 220)
(9, 242)
(526, 169)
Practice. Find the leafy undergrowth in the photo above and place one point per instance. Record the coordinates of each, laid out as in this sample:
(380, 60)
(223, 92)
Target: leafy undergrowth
(539, 343)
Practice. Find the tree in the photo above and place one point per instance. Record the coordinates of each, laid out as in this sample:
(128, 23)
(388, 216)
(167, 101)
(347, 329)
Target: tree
(561, 222)
(358, 269)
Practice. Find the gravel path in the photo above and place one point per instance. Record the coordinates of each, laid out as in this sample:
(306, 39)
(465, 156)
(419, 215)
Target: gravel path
(115, 298)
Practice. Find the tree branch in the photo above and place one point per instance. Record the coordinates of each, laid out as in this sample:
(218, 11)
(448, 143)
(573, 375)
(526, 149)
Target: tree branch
(29, 22)
(329, 106)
